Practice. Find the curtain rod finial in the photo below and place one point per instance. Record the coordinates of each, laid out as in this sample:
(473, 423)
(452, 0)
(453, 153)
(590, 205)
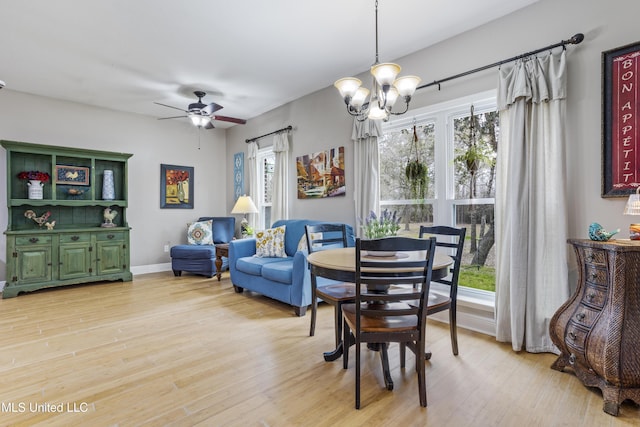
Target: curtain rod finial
(576, 39)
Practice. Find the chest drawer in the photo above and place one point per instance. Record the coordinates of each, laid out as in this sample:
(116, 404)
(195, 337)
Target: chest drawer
(585, 316)
(595, 256)
(595, 275)
(575, 336)
(107, 237)
(594, 296)
(33, 240)
(75, 238)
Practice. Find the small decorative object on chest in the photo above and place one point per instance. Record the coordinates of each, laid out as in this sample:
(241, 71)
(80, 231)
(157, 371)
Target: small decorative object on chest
(108, 188)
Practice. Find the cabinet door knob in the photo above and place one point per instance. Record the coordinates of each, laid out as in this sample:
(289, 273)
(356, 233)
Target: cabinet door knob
(580, 316)
(572, 335)
(110, 236)
(591, 296)
(74, 238)
(34, 240)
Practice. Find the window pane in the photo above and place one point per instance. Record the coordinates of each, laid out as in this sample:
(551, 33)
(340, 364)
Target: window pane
(475, 148)
(479, 260)
(412, 216)
(396, 148)
(267, 169)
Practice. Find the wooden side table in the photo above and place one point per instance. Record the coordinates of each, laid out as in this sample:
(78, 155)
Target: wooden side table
(222, 249)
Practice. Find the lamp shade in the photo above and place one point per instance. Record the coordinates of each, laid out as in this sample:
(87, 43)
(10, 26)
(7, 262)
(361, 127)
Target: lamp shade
(347, 86)
(385, 73)
(633, 204)
(244, 205)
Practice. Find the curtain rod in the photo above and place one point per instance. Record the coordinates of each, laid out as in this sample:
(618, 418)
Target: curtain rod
(288, 128)
(576, 39)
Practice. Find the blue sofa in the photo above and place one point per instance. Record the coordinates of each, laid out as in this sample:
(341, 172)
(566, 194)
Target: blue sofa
(284, 279)
(201, 259)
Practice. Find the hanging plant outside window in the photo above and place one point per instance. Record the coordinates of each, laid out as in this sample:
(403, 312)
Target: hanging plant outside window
(416, 171)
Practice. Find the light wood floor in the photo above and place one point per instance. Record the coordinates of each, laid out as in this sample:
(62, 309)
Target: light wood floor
(189, 351)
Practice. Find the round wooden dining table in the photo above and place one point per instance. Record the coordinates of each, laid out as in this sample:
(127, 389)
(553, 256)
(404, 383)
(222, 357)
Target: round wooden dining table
(340, 264)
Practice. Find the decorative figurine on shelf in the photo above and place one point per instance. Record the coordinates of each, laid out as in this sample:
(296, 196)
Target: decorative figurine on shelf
(50, 225)
(597, 233)
(40, 220)
(75, 193)
(108, 214)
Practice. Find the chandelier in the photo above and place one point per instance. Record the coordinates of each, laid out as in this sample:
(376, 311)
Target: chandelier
(386, 91)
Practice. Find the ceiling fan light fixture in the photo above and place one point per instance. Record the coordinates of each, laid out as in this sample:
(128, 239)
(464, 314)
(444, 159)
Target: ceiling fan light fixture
(199, 120)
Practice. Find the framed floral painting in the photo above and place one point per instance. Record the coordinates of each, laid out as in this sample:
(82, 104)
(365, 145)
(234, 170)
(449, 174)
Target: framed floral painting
(176, 187)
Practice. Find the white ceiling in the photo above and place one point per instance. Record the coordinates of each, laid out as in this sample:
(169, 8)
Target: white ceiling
(249, 55)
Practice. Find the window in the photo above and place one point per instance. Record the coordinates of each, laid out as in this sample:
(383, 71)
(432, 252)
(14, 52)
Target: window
(459, 150)
(266, 162)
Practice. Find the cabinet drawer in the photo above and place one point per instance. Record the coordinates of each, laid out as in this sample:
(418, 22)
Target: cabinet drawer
(594, 297)
(39, 239)
(75, 238)
(585, 316)
(107, 237)
(595, 256)
(595, 275)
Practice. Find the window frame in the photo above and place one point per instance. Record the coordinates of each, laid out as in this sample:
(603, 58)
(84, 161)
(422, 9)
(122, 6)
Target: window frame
(261, 155)
(444, 202)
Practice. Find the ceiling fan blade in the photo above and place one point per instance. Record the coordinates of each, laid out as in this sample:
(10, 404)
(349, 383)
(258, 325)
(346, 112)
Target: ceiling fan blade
(174, 117)
(229, 119)
(169, 106)
(209, 125)
(211, 108)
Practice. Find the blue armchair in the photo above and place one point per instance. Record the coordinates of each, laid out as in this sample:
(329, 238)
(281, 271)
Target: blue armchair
(284, 279)
(201, 259)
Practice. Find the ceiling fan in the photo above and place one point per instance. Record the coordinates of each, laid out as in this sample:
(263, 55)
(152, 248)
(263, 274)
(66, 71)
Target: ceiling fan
(201, 115)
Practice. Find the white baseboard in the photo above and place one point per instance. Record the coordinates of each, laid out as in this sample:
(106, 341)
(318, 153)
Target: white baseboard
(151, 268)
(2, 283)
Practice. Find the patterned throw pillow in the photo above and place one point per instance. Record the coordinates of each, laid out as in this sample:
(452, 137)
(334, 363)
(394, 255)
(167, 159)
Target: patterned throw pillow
(270, 243)
(200, 233)
(302, 244)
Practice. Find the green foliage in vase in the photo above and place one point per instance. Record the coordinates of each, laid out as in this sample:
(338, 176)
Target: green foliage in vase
(388, 224)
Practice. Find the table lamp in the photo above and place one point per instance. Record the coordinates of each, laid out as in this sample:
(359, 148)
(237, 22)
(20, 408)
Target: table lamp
(633, 208)
(244, 205)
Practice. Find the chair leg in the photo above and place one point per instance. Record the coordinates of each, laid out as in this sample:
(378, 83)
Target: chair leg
(422, 383)
(337, 311)
(314, 306)
(357, 373)
(403, 353)
(346, 340)
(453, 328)
(384, 356)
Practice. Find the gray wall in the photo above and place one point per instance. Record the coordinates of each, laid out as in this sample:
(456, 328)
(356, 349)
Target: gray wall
(320, 123)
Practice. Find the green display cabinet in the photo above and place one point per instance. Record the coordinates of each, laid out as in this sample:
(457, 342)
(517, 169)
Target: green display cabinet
(57, 235)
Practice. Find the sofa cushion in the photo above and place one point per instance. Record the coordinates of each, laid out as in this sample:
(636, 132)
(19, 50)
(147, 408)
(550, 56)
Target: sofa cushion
(193, 252)
(254, 265)
(279, 271)
(270, 242)
(200, 233)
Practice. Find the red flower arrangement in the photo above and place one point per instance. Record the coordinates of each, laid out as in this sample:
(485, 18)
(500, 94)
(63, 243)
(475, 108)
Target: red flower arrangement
(34, 175)
(173, 176)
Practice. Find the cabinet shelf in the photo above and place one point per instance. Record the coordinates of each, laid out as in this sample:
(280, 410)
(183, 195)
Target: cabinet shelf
(77, 202)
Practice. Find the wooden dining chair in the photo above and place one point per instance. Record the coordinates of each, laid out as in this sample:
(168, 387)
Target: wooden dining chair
(322, 237)
(452, 240)
(381, 317)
